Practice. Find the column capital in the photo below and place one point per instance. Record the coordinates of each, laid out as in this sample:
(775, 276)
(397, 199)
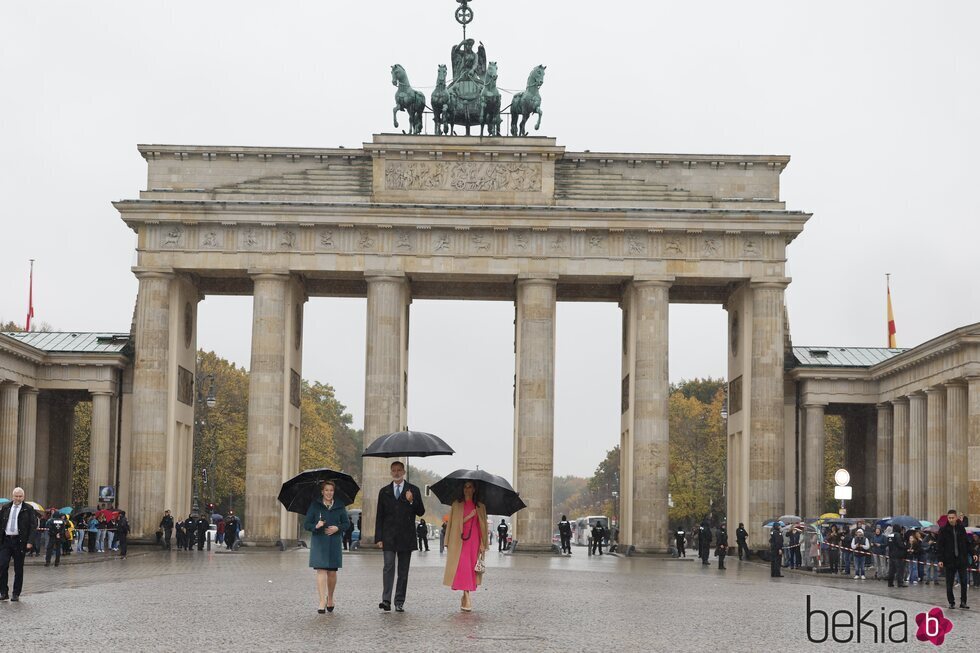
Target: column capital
(270, 275)
(956, 383)
(658, 282)
(8, 382)
(972, 378)
(934, 390)
(528, 279)
(815, 404)
(883, 405)
(28, 390)
(899, 400)
(100, 393)
(154, 273)
(769, 284)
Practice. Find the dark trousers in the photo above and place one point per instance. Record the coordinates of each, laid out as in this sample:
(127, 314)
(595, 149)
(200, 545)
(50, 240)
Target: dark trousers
(91, 540)
(743, 549)
(681, 551)
(951, 573)
(566, 543)
(896, 569)
(597, 544)
(167, 533)
(501, 543)
(423, 543)
(230, 537)
(721, 558)
(11, 550)
(122, 539)
(404, 559)
(348, 536)
(54, 546)
(703, 554)
(200, 539)
(775, 568)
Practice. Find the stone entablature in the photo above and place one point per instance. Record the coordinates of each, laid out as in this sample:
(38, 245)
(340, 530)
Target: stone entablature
(31, 367)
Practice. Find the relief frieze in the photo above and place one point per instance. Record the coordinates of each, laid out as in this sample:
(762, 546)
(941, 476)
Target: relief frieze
(478, 176)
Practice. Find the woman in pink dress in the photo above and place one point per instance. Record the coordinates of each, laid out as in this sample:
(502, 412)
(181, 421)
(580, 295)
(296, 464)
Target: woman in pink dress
(466, 541)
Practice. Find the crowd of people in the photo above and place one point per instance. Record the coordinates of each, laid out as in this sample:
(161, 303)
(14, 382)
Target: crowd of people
(194, 531)
(60, 533)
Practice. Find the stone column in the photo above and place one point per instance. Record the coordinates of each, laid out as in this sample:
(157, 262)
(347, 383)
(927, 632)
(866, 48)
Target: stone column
(936, 477)
(9, 407)
(649, 424)
(917, 455)
(100, 445)
(900, 457)
(973, 444)
(534, 411)
(957, 448)
(150, 404)
(884, 444)
(384, 383)
(814, 459)
(766, 465)
(42, 449)
(266, 406)
(27, 442)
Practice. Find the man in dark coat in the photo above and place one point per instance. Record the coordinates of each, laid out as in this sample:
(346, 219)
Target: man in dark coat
(57, 525)
(122, 534)
(776, 551)
(722, 549)
(741, 535)
(704, 542)
(190, 527)
(598, 536)
(502, 536)
(896, 557)
(955, 556)
(422, 531)
(565, 535)
(17, 524)
(680, 541)
(233, 526)
(203, 526)
(167, 526)
(399, 503)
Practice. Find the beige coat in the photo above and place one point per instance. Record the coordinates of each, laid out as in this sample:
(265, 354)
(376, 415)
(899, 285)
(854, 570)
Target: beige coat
(454, 540)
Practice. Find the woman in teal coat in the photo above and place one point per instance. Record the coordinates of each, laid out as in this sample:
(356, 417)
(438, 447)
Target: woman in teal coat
(327, 519)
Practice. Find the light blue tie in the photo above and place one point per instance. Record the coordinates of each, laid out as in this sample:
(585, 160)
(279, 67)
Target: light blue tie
(398, 490)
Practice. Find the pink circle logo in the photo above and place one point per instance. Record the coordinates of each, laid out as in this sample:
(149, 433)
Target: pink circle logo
(932, 626)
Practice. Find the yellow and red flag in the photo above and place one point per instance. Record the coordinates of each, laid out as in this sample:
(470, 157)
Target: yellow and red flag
(891, 316)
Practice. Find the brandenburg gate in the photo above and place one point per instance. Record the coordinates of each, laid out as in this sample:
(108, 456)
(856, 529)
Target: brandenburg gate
(516, 219)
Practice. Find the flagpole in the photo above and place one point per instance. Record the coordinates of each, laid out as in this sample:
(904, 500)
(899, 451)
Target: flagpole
(30, 299)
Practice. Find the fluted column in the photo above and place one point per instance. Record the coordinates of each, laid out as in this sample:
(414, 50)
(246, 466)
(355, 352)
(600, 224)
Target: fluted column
(534, 412)
(973, 444)
(918, 429)
(100, 445)
(150, 403)
(27, 441)
(814, 459)
(936, 477)
(266, 406)
(647, 423)
(766, 465)
(384, 382)
(957, 448)
(42, 449)
(9, 407)
(900, 457)
(885, 433)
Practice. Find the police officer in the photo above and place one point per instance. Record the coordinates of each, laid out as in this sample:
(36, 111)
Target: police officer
(167, 525)
(740, 536)
(233, 525)
(502, 536)
(704, 542)
(722, 549)
(190, 526)
(422, 532)
(565, 533)
(201, 526)
(897, 553)
(56, 526)
(598, 535)
(681, 541)
(776, 551)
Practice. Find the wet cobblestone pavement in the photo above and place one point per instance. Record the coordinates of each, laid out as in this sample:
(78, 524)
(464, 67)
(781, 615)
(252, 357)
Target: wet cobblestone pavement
(266, 601)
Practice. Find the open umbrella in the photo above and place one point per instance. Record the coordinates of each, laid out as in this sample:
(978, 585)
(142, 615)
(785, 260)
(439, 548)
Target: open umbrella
(36, 506)
(67, 510)
(905, 521)
(298, 492)
(215, 517)
(790, 519)
(86, 510)
(830, 515)
(408, 443)
(499, 497)
(4, 500)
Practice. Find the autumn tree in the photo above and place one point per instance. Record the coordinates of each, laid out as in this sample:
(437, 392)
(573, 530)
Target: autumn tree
(697, 453)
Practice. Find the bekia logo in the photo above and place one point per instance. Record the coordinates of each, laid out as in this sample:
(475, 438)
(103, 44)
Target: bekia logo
(874, 626)
(933, 626)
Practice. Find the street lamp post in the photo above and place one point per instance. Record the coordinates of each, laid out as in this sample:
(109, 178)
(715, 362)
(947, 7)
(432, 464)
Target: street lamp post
(206, 400)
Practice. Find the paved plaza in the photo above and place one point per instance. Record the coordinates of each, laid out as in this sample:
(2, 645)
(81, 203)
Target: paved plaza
(262, 600)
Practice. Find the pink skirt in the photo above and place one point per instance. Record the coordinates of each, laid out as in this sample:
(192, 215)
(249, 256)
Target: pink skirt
(465, 578)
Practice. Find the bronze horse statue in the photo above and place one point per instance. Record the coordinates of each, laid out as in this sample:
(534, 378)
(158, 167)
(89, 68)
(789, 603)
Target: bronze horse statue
(407, 99)
(527, 102)
(490, 102)
(440, 102)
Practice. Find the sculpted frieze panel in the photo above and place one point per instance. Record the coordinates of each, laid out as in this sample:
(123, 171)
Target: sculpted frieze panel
(480, 176)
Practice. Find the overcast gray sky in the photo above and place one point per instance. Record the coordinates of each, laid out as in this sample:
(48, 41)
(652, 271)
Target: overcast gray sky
(876, 102)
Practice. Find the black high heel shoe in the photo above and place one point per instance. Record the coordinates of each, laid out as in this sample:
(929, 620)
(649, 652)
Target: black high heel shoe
(330, 608)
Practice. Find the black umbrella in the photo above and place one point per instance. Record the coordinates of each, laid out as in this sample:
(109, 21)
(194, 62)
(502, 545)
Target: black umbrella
(408, 443)
(299, 492)
(86, 510)
(494, 491)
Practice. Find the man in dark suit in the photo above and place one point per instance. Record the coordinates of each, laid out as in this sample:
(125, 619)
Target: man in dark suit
(399, 503)
(17, 521)
(955, 557)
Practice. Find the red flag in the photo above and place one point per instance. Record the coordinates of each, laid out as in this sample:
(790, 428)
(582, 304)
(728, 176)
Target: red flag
(30, 299)
(891, 315)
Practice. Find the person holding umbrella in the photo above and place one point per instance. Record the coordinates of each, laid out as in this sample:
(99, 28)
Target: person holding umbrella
(399, 503)
(327, 520)
(467, 542)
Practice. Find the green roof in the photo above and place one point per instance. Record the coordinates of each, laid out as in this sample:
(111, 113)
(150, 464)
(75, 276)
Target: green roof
(842, 356)
(72, 341)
